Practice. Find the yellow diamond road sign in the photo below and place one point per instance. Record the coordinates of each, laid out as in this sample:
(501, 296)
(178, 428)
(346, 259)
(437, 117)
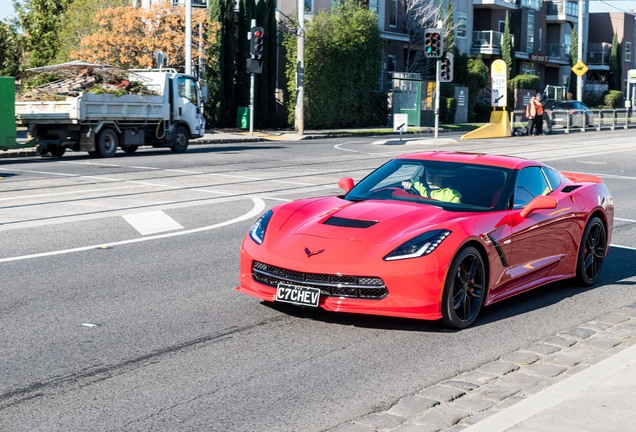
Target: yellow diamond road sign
(580, 68)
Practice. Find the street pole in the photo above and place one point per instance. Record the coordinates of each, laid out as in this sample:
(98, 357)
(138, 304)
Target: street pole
(188, 37)
(252, 91)
(581, 30)
(438, 65)
(300, 72)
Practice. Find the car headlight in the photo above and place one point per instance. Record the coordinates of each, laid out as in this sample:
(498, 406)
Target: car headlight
(418, 246)
(257, 232)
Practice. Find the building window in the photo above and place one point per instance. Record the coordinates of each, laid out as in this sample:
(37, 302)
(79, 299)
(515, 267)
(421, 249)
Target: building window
(462, 24)
(528, 68)
(394, 13)
(628, 52)
(391, 66)
(530, 33)
(502, 26)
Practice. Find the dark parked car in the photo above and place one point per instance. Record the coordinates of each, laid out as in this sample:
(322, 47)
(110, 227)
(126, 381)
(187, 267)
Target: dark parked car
(557, 113)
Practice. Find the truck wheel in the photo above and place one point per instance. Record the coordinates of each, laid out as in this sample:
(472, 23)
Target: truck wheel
(180, 141)
(129, 148)
(52, 151)
(107, 143)
(57, 151)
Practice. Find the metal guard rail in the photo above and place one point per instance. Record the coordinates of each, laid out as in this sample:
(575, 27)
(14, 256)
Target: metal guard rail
(568, 120)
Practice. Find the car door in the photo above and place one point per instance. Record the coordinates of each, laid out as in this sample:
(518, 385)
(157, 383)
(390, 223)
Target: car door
(539, 241)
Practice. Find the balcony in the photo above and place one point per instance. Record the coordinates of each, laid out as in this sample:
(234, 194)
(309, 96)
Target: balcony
(559, 53)
(495, 4)
(562, 11)
(486, 43)
(599, 56)
(535, 5)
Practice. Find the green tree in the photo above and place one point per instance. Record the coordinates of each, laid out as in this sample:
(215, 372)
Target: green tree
(77, 23)
(343, 56)
(616, 71)
(478, 75)
(221, 70)
(449, 30)
(574, 54)
(9, 50)
(40, 24)
(508, 50)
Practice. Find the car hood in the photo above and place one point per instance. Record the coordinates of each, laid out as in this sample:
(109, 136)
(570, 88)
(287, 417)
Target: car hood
(372, 222)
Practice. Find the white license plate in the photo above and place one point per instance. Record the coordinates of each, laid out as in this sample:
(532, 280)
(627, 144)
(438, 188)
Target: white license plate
(298, 295)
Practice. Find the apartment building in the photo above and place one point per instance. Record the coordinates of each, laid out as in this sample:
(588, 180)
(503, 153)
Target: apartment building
(542, 32)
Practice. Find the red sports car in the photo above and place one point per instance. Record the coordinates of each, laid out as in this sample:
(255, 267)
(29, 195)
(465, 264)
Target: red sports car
(432, 236)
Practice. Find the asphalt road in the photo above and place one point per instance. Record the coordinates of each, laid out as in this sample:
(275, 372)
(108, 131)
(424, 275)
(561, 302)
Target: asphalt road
(114, 324)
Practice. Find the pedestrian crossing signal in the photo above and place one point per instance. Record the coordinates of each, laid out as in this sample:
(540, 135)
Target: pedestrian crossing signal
(446, 68)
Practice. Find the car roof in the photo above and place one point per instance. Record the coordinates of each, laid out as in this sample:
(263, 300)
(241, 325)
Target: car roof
(499, 161)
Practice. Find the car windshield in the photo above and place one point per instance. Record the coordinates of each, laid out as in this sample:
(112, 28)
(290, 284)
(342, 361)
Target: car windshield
(453, 186)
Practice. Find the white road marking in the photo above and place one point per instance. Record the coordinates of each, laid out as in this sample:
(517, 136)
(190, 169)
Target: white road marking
(152, 222)
(625, 220)
(259, 206)
(622, 247)
(25, 197)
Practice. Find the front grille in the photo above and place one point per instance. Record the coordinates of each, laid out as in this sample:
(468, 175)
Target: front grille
(365, 287)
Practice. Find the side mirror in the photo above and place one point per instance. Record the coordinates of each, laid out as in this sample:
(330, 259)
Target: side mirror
(346, 184)
(539, 203)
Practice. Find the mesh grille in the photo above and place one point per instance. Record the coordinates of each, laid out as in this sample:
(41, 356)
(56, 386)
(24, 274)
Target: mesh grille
(366, 287)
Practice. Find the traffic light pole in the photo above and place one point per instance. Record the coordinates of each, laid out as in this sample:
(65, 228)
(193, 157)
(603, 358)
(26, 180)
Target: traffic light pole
(252, 90)
(437, 72)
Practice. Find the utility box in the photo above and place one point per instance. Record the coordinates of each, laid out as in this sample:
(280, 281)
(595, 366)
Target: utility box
(7, 113)
(243, 118)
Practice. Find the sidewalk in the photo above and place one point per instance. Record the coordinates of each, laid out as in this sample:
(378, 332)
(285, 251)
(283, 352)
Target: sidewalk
(581, 380)
(229, 136)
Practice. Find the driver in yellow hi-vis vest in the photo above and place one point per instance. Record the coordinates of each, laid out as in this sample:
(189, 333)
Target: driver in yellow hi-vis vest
(435, 186)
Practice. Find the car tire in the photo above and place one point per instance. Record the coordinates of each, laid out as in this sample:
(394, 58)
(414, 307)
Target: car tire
(464, 290)
(592, 252)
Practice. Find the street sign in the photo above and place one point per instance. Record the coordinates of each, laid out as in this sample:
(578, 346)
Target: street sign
(400, 122)
(499, 76)
(580, 68)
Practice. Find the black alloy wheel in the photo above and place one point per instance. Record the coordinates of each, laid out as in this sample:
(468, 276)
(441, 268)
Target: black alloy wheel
(591, 252)
(464, 290)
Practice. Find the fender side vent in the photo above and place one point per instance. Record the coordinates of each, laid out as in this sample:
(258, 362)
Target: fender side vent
(570, 188)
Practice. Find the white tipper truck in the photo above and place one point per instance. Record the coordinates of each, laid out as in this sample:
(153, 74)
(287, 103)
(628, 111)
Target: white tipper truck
(100, 123)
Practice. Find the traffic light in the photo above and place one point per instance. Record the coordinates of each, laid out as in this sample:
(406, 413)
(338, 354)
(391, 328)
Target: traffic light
(446, 67)
(256, 41)
(434, 43)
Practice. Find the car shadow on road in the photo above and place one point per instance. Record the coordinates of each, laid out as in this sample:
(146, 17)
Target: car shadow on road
(618, 270)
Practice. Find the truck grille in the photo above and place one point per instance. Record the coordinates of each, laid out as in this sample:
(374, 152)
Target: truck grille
(365, 287)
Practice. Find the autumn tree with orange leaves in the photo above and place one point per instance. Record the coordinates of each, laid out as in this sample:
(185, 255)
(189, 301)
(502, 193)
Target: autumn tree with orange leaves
(130, 37)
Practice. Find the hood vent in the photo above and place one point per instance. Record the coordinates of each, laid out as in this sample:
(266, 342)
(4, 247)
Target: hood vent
(570, 188)
(349, 223)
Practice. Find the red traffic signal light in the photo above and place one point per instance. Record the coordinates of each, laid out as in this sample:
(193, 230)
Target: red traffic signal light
(434, 43)
(256, 41)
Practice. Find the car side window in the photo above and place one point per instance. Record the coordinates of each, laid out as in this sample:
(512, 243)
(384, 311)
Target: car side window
(530, 184)
(554, 180)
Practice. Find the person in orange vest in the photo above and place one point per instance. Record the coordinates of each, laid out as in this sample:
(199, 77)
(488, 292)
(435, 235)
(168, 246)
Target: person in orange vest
(534, 113)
